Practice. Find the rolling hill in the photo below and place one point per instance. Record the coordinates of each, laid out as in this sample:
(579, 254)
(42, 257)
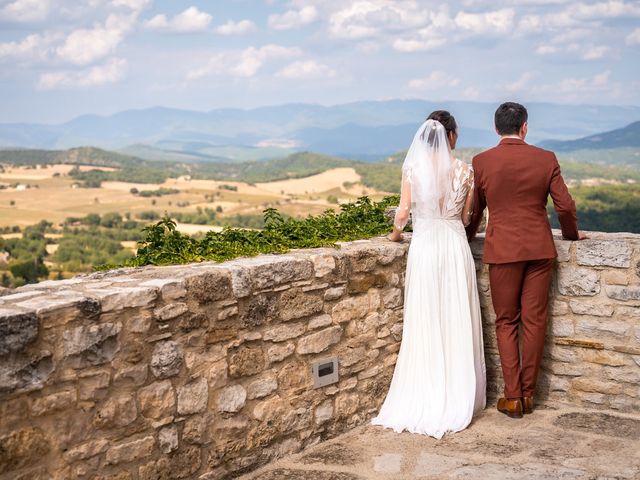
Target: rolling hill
(627, 137)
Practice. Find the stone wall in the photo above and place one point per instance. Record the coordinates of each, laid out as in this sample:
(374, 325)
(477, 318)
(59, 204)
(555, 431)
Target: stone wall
(204, 371)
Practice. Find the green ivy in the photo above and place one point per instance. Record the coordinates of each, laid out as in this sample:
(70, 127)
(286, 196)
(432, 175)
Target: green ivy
(164, 245)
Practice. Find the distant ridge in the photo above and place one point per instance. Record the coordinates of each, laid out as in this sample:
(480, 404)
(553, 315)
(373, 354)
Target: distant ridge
(359, 130)
(628, 136)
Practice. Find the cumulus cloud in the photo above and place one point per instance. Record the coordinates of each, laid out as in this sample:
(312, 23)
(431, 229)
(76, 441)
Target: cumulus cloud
(496, 22)
(367, 18)
(85, 46)
(190, 20)
(306, 69)
(434, 81)
(246, 63)
(110, 72)
(634, 37)
(32, 47)
(236, 28)
(595, 52)
(25, 11)
(293, 18)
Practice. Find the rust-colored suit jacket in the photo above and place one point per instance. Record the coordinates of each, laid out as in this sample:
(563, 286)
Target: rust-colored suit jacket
(514, 180)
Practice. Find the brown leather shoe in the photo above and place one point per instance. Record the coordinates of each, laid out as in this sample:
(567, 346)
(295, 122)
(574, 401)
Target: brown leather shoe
(512, 408)
(527, 405)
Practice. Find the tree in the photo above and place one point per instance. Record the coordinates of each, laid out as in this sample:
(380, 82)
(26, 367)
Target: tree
(30, 271)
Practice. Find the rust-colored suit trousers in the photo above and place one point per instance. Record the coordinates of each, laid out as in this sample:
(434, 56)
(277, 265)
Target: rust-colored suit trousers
(520, 295)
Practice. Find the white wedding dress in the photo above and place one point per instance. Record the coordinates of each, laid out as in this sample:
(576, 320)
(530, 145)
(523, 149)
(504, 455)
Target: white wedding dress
(439, 381)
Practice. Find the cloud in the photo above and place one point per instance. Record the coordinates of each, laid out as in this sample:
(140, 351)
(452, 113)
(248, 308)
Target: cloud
(85, 46)
(595, 52)
(25, 11)
(609, 9)
(293, 18)
(496, 22)
(32, 47)
(434, 81)
(418, 45)
(246, 64)
(306, 69)
(634, 37)
(520, 84)
(190, 20)
(236, 28)
(368, 18)
(110, 72)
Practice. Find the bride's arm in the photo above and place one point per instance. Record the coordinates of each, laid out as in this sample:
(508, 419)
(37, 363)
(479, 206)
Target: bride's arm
(467, 210)
(402, 213)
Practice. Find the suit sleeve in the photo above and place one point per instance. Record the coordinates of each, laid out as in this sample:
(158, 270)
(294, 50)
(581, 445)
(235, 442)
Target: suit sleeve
(479, 204)
(563, 203)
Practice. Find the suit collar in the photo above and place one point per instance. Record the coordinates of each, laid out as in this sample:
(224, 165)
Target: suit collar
(512, 141)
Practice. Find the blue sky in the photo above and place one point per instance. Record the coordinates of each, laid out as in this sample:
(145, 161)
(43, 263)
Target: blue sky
(63, 58)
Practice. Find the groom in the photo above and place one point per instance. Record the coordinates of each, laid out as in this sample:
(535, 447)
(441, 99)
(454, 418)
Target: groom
(514, 180)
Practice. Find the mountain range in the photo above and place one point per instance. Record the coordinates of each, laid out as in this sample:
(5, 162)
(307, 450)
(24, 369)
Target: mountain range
(361, 130)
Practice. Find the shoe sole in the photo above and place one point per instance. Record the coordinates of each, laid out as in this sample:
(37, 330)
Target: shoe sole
(511, 414)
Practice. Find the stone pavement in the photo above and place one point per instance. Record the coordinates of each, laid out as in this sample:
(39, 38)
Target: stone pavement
(555, 442)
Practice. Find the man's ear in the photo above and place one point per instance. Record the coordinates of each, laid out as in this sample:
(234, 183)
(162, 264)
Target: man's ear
(524, 130)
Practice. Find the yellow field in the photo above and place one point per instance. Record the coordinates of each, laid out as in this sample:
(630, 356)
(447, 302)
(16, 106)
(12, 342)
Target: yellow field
(54, 198)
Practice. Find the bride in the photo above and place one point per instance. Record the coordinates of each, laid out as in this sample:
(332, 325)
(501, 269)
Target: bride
(439, 380)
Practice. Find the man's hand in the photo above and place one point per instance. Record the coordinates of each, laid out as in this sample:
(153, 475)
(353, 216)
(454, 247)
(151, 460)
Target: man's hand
(395, 236)
(582, 236)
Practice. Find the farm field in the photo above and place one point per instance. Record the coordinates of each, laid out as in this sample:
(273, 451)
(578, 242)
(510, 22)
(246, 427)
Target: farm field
(55, 198)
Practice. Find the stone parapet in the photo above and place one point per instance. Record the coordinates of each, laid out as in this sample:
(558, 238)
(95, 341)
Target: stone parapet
(204, 370)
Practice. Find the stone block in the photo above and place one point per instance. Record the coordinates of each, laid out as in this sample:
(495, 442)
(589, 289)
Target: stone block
(350, 308)
(130, 450)
(592, 309)
(277, 353)
(319, 341)
(595, 328)
(295, 303)
(195, 429)
(171, 311)
(167, 359)
(209, 286)
(563, 247)
(118, 298)
(92, 344)
(94, 385)
(245, 361)
(576, 281)
(86, 450)
(29, 372)
(616, 277)
(323, 412)
(232, 399)
(262, 386)
(53, 403)
(334, 293)
(22, 448)
(596, 386)
(280, 333)
(118, 411)
(168, 439)
(17, 330)
(319, 321)
(611, 253)
(157, 400)
(193, 397)
(323, 264)
(631, 293)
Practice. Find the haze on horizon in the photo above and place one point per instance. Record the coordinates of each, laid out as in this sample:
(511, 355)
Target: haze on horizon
(62, 58)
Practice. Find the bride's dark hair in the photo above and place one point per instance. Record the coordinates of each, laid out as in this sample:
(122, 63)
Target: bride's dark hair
(446, 119)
